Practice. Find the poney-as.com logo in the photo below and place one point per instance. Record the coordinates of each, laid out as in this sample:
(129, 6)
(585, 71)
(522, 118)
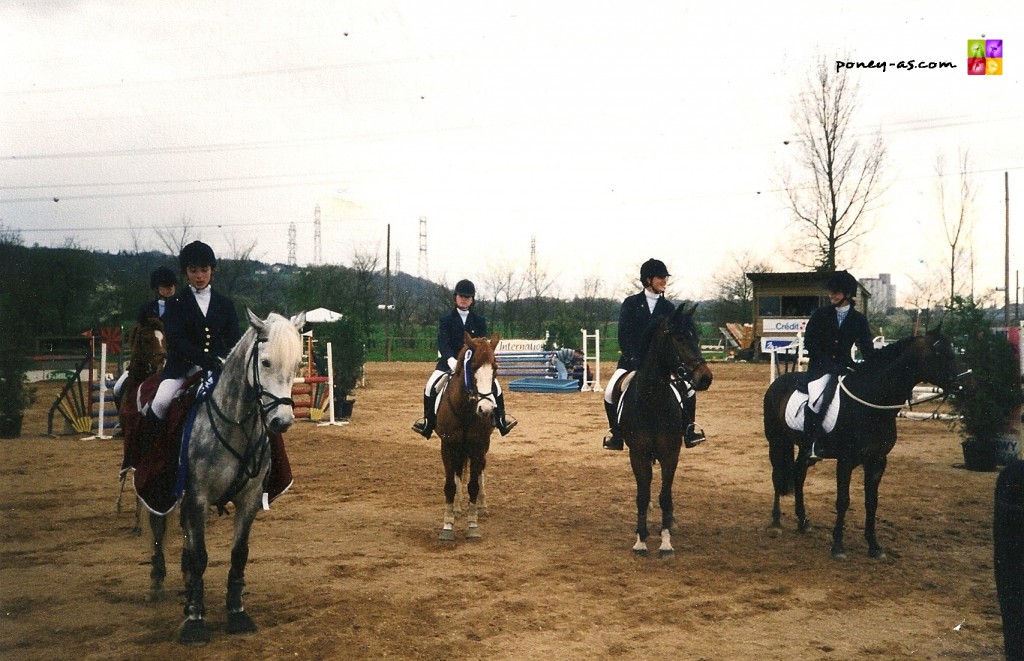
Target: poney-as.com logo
(984, 57)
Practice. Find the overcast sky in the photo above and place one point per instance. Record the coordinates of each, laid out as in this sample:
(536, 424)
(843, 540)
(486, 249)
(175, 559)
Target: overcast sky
(607, 132)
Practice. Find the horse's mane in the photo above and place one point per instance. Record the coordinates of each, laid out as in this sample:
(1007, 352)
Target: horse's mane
(283, 341)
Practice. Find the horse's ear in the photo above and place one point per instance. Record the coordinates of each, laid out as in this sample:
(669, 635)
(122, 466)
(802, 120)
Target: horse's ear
(494, 341)
(466, 337)
(299, 321)
(254, 321)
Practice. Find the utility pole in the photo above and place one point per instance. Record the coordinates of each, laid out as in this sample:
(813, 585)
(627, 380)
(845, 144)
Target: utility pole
(1006, 264)
(387, 300)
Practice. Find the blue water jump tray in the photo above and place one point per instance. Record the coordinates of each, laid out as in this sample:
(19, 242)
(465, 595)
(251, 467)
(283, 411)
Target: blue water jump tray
(541, 384)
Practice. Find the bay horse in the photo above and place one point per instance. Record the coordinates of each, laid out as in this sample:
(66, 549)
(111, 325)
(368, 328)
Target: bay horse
(865, 426)
(228, 460)
(652, 418)
(148, 349)
(465, 420)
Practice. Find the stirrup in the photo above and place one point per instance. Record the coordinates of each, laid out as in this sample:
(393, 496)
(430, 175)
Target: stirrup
(612, 441)
(693, 436)
(423, 428)
(505, 426)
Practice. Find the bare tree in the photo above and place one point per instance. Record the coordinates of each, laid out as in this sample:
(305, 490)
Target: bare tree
(174, 238)
(840, 179)
(504, 281)
(957, 218)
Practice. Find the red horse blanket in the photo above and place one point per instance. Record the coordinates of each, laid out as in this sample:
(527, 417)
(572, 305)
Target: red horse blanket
(160, 470)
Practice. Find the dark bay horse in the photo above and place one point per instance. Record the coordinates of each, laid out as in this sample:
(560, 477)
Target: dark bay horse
(228, 459)
(865, 428)
(652, 419)
(465, 420)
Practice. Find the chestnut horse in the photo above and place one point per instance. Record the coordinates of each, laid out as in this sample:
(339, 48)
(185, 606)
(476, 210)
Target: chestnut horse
(652, 417)
(148, 347)
(465, 420)
(865, 426)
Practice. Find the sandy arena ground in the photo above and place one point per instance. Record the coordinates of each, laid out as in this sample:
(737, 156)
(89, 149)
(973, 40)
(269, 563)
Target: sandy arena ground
(347, 564)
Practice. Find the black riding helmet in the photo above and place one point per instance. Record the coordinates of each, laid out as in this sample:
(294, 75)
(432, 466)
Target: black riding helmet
(844, 282)
(465, 288)
(653, 268)
(162, 277)
(197, 253)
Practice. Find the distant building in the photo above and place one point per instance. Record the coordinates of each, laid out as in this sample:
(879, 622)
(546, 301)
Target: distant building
(883, 293)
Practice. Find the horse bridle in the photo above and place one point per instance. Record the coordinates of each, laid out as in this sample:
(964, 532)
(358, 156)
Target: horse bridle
(683, 371)
(467, 383)
(256, 447)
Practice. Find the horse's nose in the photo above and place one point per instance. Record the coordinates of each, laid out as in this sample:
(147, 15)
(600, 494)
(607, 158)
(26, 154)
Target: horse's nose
(282, 420)
(702, 378)
(484, 407)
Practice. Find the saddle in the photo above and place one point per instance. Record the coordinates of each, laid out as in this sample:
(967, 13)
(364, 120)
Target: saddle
(618, 396)
(160, 470)
(798, 401)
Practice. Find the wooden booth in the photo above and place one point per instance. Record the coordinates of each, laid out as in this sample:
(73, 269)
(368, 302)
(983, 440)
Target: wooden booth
(783, 302)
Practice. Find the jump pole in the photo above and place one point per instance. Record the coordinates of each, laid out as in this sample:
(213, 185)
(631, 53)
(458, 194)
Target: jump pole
(103, 395)
(330, 390)
(595, 385)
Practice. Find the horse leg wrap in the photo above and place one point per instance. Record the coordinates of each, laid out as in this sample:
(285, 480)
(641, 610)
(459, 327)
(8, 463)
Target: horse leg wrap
(472, 523)
(449, 517)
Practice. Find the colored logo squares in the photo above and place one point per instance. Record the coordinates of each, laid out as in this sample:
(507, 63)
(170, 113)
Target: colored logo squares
(984, 57)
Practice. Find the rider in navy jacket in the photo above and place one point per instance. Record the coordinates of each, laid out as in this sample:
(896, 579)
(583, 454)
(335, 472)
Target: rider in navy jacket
(202, 328)
(635, 315)
(831, 332)
(450, 340)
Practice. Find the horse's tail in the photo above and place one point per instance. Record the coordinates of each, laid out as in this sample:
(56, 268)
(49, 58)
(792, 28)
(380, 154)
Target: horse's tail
(780, 445)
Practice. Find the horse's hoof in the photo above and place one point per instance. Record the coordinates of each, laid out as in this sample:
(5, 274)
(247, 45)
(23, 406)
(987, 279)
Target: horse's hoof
(240, 622)
(446, 536)
(640, 553)
(775, 531)
(803, 525)
(838, 555)
(155, 595)
(194, 633)
(877, 554)
(474, 533)
(666, 553)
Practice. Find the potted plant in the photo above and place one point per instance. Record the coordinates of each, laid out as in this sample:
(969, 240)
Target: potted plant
(16, 394)
(985, 408)
(348, 354)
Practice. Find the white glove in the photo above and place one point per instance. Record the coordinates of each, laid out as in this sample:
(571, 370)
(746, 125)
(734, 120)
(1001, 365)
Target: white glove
(452, 363)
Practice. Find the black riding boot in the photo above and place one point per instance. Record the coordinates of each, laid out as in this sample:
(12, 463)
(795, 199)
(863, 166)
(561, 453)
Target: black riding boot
(815, 437)
(152, 428)
(503, 422)
(425, 425)
(694, 435)
(613, 441)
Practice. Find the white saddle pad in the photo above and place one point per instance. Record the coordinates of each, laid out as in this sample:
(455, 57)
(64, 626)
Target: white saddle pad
(795, 412)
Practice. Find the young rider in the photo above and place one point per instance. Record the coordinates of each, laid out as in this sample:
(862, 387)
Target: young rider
(831, 332)
(165, 284)
(202, 328)
(634, 316)
(450, 340)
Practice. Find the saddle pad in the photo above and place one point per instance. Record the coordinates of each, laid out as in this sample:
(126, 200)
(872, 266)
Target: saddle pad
(795, 412)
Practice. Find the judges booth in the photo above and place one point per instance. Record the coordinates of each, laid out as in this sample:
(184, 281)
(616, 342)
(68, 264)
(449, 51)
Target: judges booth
(783, 302)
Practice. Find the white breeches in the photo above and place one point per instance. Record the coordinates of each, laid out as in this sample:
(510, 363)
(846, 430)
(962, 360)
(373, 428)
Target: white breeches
(814, 391)
(610, 390)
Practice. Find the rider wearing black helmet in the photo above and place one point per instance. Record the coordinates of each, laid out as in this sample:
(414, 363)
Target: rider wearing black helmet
(202, 328)
(831, 333)
(634, 316)
(450, 340)
(164, 284)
